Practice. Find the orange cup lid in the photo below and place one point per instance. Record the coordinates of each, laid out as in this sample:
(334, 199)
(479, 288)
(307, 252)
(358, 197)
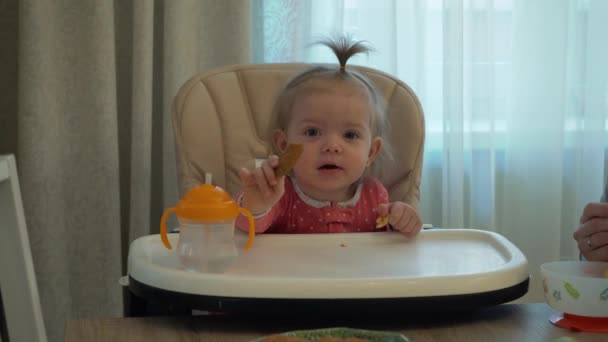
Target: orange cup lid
(207, 203)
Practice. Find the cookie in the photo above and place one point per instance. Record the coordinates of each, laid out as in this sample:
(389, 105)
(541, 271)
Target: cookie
(381, 221)
(288, 159)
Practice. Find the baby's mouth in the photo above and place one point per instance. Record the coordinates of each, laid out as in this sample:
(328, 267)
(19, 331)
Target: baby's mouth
(329, 167)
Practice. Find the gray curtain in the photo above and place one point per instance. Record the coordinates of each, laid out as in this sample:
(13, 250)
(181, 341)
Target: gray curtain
(85, 109)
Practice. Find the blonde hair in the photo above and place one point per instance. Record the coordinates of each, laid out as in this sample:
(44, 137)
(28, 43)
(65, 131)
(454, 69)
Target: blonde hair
(344, 48)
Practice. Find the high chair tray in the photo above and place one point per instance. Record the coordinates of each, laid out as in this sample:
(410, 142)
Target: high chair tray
(460, 268)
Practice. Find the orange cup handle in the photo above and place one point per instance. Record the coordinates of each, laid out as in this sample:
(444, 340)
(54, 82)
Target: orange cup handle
(251, 227)
(163, 227)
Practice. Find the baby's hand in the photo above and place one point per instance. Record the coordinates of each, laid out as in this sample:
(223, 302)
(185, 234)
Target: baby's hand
(402, 217)
(262, 189)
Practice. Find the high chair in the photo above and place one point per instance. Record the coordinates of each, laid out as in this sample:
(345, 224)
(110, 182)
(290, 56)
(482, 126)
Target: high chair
(220, 118)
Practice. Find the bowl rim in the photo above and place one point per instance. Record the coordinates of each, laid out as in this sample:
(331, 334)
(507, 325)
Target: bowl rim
(545, 269)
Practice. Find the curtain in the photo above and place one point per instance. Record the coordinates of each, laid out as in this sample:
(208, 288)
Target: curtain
(89, 89)
(515, 94)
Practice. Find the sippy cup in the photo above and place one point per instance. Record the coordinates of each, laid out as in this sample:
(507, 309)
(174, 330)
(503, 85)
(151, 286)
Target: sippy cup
(206, 218)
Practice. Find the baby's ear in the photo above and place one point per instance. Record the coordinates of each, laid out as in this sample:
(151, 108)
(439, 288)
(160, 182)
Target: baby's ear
(374, 149)
(279, 139)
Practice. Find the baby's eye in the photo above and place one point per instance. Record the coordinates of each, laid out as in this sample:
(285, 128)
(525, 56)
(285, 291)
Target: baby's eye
(311, 132)
(351, 135)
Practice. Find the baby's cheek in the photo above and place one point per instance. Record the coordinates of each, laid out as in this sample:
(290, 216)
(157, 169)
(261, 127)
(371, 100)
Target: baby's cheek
(302, 163)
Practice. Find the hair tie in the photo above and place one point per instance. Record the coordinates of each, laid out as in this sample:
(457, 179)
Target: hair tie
(342, 67)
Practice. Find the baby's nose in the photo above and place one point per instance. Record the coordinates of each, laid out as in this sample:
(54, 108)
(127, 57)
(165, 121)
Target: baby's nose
(332, 145)
(333, 148)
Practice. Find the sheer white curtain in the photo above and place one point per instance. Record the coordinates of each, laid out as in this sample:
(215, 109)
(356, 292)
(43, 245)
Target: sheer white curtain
(515, 95)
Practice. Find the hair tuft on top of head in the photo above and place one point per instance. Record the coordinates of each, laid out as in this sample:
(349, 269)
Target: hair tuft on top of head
(344, 47)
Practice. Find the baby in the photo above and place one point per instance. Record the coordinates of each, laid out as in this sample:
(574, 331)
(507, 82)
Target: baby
(338, 117)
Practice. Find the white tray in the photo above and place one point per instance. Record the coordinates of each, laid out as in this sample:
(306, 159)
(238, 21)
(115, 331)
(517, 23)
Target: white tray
(438, 262)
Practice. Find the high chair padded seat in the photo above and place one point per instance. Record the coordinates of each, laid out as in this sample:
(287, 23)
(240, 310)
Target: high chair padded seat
(221, 116)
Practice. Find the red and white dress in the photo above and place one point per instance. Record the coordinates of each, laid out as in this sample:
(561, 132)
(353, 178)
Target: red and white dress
(297, 213)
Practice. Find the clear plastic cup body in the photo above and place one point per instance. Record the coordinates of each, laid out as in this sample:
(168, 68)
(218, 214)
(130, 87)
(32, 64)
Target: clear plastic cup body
(207, 247)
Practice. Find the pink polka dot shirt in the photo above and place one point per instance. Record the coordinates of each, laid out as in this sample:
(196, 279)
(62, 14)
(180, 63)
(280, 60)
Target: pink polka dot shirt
(296, 213)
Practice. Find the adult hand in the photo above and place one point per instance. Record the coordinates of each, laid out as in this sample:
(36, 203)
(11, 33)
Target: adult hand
(402, 217)
(262, 189)
(592, 235)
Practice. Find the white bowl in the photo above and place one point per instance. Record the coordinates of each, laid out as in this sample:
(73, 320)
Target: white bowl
(576, 287)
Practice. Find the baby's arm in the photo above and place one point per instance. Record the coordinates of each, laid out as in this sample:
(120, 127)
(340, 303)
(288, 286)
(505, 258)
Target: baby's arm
(262, 220)
(402, 217)
(261, 193)
(262, 188)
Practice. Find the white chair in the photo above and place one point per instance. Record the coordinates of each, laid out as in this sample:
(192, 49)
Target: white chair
(21, 315)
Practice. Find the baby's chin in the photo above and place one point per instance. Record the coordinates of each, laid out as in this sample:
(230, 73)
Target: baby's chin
(328, 191)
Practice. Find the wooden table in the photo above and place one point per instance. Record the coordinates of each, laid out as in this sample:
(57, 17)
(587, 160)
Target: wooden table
(508, 322)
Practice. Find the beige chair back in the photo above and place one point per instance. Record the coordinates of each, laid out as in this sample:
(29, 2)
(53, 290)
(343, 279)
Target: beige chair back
(220, 118)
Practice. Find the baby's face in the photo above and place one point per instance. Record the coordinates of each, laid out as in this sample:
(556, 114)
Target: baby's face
(333, 125)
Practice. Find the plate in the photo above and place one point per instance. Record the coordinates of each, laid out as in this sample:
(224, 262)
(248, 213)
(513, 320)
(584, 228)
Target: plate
(369, 335)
